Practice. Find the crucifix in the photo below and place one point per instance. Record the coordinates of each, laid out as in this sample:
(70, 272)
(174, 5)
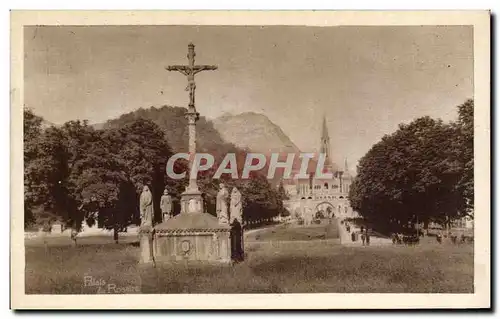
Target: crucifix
(189, 71)
(191, 199)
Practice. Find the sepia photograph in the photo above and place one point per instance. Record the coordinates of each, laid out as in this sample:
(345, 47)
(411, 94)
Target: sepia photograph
(249, 158)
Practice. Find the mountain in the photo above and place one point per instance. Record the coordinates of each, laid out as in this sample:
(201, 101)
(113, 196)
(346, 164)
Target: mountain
(173, 122)
(255, 132)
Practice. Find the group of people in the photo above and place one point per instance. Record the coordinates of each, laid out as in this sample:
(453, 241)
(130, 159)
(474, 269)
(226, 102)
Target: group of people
(399, 238)
(365, 236)
(455, 239)
(364, 233)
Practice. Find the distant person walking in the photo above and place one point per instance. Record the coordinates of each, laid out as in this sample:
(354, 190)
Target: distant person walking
(439, 238)
(367, 238)
(363, 238)
(394, 238)
(74, 234)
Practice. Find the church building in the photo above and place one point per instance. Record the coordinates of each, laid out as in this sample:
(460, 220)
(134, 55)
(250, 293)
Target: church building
(321, 197)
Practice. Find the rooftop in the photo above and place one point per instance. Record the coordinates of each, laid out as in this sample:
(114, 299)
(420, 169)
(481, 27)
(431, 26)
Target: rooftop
(192, 222)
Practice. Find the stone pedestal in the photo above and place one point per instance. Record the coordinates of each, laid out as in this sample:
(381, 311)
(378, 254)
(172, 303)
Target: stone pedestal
(192, 237)
(146, 244)
(192, 202)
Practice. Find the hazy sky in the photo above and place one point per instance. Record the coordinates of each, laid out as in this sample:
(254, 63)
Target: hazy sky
(365, 80)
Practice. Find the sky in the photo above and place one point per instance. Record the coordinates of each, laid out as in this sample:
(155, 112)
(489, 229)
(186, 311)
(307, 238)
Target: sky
(365, 80)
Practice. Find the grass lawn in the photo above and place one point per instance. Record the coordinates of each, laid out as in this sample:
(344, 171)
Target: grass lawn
(62, 241)
(290, 267)
(296, 233)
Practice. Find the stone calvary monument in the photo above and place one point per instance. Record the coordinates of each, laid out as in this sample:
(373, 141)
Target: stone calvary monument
(193, 235)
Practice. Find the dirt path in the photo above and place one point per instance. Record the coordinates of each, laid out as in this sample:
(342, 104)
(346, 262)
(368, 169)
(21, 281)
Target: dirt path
(345, 237)
(256, 230)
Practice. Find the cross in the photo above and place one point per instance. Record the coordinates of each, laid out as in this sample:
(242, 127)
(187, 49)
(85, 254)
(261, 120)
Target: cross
(189, 71)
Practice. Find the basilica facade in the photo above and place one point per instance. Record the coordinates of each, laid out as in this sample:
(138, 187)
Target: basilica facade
(319, 197)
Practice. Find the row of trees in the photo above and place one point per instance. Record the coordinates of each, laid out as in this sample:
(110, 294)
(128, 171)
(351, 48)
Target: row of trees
(73, 170)
(422, 172)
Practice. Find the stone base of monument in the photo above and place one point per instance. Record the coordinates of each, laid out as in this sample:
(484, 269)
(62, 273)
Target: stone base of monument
(146, 244)
(192, 237)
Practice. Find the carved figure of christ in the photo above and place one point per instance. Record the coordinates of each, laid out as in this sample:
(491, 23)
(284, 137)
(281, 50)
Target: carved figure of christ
(190, 71)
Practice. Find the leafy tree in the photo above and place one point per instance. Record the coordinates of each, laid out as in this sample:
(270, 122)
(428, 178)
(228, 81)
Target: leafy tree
(53, 171)
(32, 125)
(46, 176)
(100, 183)
(209, 187)
(260, 200)
(143, 152)
(465, 152)
(70, 172)
(31, 135)
(281, 196)
(79, 140)
(410, 175)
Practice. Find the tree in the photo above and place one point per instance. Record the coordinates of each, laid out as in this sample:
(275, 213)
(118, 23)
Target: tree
(79, 142)
(100, 182)
(69, 172)
(52, 172)
(209, 187)
(260, 200)
(281, 196)
(31, 134)
(465, 153)
(32, 125)
(46, 176)
(409, 176)
(143, 151)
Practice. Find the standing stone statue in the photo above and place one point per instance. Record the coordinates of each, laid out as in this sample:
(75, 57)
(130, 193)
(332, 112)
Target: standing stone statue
(221, 205)
(146, 207)
(236, 206)
(166, 205)
(308, 212)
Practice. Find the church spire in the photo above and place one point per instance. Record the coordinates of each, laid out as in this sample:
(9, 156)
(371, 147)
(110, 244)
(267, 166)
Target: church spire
(325, 145)
(346, 174)
(324, 131)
